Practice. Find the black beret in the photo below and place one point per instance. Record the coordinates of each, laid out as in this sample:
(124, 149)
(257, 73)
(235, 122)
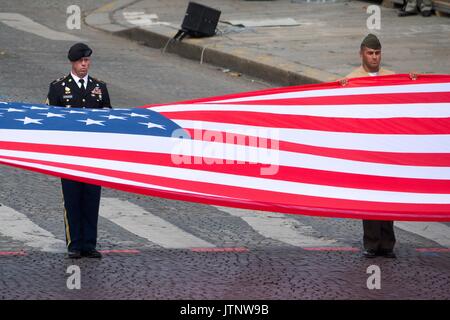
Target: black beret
(371, 41)
(78, 51)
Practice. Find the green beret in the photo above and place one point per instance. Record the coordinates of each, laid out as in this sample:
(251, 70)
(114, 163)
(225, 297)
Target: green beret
(371, 41)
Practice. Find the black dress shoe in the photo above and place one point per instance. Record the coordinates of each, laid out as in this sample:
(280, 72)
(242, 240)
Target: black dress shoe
(369, 254)
(74, 254)
(406, 13)
(92, 254)
(426, 13)
(388, 254)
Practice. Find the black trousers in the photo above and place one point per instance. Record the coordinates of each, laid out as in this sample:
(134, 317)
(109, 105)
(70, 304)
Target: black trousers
(378, 235)
(81, 204)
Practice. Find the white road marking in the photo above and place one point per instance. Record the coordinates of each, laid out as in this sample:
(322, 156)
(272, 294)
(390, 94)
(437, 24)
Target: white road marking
(280, 227)
(435, 231)
(17, 226)
(277, 22)
(146, 225)
(24, 23)
(140, 18)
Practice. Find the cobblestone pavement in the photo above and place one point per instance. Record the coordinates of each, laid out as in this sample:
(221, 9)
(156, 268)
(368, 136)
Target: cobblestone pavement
(225, 253)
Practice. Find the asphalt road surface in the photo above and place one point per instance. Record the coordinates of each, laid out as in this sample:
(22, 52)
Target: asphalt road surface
(163, 249)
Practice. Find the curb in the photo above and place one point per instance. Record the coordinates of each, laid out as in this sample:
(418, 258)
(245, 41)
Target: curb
(266, 67)
(101, 18)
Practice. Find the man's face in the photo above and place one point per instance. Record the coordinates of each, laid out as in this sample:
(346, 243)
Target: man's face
(371, 59)
(81, 67)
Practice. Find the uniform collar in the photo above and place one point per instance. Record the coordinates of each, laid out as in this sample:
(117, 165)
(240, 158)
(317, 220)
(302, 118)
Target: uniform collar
(77, 79)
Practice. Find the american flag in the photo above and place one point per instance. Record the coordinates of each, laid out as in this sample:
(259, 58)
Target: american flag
(377, 148)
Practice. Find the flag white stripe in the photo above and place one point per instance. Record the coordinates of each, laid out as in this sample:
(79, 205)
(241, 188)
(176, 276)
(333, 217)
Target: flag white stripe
(409, 88)
(88, 175)
(408, 143)
(357, 111)
(256, 183)
(437, 143)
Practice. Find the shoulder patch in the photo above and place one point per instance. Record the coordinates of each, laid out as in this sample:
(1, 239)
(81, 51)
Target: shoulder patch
(59, 80)
(98, 80)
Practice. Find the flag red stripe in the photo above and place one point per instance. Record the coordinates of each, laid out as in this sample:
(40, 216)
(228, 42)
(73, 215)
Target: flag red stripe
(391, 80)
(407, 159)
(270, 120)
(283, 173)
(142, 157)
(385, 98)
(408, 215)
(260, 196)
